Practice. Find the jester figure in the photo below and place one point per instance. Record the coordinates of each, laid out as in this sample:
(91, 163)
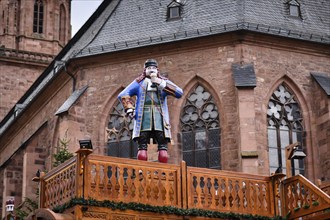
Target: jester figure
(150, 110)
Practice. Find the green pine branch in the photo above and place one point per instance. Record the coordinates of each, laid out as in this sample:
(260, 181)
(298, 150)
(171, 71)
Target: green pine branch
(159, 209)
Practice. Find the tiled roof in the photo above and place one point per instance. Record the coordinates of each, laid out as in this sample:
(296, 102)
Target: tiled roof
(244, 76)
(136, 23)
(323, 80)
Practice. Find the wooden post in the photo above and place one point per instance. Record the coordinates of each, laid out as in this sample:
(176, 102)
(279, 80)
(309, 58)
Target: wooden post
(41, 185)
(80, 172)
(288, 154)
(276, 196)
(184, 184)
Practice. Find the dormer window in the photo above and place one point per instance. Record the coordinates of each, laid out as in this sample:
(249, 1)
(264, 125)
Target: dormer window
(294, 8)
(174, 10)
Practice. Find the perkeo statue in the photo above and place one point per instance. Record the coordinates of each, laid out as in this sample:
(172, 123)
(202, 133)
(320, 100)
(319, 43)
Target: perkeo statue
(150, 110)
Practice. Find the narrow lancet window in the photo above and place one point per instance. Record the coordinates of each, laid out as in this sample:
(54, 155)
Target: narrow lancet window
(38, 16)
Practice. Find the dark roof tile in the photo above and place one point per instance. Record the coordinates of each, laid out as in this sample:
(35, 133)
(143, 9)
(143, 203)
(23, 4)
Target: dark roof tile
(244, 76)
(71, 100)
(323, 80)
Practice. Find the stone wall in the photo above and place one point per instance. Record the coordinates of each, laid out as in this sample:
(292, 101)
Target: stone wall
(15, 79)
(12, 180)
(321, 144)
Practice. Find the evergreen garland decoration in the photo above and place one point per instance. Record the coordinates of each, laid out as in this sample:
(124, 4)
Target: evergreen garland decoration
(159, 209)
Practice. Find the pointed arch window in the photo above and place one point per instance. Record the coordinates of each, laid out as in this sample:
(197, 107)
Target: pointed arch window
(62, 31)
(120, 143)
(285, 126)
(38, 16)
(200, 130)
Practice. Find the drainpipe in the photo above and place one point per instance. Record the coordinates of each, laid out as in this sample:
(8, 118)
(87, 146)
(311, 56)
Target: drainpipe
(74, 81)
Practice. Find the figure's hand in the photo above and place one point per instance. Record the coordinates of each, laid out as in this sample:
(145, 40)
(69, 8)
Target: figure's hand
(155, 79)
(153, 74)
(130, 113)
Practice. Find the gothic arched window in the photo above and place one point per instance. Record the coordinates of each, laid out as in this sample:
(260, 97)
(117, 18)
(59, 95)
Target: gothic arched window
(120, 143)
(200, 130)
(285, 126)
(62, 31)
(38, 16)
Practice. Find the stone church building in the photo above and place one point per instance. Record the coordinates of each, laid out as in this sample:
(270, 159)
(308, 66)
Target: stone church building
(255, 75)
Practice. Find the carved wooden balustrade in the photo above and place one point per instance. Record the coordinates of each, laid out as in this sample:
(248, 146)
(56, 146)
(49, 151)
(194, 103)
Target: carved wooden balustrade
(59, 185)
(300, 197)
(124, 180)
(325, 187)
(230, 192)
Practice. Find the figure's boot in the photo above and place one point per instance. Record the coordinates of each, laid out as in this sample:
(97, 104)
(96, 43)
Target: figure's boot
(142, 155)
(142, 152)
(162, 156)
(162, 153)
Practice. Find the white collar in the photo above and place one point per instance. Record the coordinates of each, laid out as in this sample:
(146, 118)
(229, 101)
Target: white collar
(149, 83)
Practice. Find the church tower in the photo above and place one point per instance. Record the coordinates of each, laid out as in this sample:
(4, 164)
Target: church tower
(41, 26)
(32, 33)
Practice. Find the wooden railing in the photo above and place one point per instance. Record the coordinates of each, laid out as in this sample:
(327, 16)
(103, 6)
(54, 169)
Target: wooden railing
(59, 185)
(229, 192)
(124, 180)
(325, 187)
(300, 197)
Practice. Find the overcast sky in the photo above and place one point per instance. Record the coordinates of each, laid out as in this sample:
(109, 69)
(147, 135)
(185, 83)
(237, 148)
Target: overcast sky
(81, 10)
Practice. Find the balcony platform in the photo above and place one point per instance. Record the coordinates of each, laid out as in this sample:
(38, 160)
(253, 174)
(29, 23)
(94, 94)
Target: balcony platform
(102, 187)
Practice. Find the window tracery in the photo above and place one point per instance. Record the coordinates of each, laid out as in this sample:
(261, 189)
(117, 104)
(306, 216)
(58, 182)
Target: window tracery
(119, 130)
(200, 130)
(285, 126)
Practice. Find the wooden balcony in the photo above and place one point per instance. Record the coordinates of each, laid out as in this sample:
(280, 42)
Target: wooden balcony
(101, 187)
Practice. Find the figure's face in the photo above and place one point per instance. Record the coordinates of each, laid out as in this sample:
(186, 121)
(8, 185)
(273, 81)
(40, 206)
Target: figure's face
(151, 70)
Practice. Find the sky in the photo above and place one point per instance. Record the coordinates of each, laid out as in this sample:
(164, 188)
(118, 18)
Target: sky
(81, 10)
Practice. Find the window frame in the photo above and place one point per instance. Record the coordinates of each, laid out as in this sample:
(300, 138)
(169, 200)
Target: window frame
(171, 15)
(294, 9)
(62, 24)
(38, 16)
(119, 133)
(177, 6)
(282, 131)
(197, 131)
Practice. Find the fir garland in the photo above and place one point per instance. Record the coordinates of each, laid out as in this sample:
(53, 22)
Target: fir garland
(159, 209)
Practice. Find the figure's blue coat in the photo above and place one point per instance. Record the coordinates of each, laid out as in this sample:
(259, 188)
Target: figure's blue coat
(139, 90)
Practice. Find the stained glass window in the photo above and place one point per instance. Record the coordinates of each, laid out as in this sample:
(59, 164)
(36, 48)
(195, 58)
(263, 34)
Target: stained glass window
(200, 130)
(285, 126)
(120, 143)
